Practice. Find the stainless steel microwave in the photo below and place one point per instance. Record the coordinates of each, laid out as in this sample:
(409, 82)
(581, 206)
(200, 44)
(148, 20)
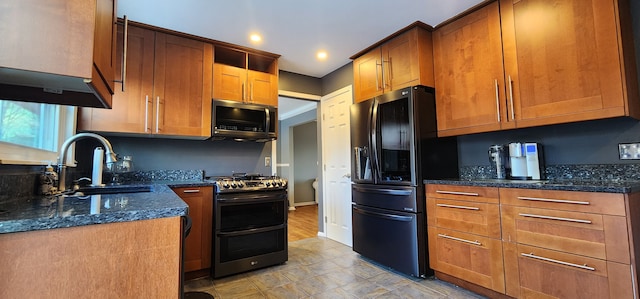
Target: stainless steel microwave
(238, 121)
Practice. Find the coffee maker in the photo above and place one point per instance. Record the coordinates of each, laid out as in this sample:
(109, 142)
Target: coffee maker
(526, 161)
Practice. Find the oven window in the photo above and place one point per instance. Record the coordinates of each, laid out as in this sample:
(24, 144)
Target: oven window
(236, 217)
(235, 247)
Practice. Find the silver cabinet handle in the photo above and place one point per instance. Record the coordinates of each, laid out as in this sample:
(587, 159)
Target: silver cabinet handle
(531, 255)
(385, 85)
(457, 193)
(381, 67)
(157, 114)
(125, 47)
(191, 191)
(497, 99)
(460, 240)
(554, 200)
(457, 207)
(513, 113)
(146, 114)
(555, 218)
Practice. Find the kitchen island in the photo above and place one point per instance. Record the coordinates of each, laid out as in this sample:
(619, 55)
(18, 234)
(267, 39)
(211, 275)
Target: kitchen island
(118, 245)
(522, 239)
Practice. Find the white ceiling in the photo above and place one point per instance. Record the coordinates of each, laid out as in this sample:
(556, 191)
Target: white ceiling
(295, 29)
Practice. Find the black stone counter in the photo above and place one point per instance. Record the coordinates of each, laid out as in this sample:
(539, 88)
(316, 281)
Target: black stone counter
(23, 214)
(613, 186)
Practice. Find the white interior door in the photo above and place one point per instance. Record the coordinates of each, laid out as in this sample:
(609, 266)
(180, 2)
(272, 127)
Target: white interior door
(336, 144)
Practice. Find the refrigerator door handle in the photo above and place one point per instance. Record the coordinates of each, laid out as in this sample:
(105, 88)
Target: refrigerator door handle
(384, 216)
(374, 142)
(395, 192)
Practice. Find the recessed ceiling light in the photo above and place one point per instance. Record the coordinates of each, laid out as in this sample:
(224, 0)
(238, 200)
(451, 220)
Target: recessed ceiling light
(321, 55)
(256, 38)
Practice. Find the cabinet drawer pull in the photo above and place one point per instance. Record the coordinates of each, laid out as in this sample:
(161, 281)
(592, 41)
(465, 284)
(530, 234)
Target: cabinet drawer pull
(555, 218)
(457, 193)
(457, 207)
(497, 99)
(191, 191)
(377, 75)
(554, 200)
(147, 128)
(531, 255)
(460, 240)
(157, 114)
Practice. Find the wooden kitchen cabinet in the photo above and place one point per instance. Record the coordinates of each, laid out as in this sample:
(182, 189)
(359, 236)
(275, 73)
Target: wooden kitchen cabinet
(72, 58)
(167, 88)
(400, 60)
(463, 224)
(245, 76)
(565, 62)
(197, 246)
(565, 244)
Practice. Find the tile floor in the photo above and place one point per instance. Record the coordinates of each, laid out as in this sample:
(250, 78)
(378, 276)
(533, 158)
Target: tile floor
(322, 268)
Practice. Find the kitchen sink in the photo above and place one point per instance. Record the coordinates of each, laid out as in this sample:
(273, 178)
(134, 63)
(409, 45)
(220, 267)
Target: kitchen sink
(112, 189)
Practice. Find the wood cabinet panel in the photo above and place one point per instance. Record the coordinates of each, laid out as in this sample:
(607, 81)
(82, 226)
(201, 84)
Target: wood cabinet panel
(137, 259)
(131, 109)
(552, 274)
(263, 88)
(589, 202)
(228, 82)
(471, 217)
(367, 76)
(469, 74)
(197, 246)
(470, 257)
(182, 86)
(468, 193)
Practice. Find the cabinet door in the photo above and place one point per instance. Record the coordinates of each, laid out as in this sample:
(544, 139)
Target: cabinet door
(564, 60)
(182, 86)
(367, 76)
(197, 246)
(229, 82)
(105, 44)
(544, 273)
(408, 60)
(263, 88)
(131, 109)
(466, 256)
(469, 74)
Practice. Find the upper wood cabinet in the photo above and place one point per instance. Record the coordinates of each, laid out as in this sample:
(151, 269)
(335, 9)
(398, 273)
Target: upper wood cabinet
(401, 60)
(565, 62)
(245, 76)
(167, 88)
(48, 56)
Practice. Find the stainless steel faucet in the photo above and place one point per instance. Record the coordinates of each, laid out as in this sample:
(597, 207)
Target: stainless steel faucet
(62, 158)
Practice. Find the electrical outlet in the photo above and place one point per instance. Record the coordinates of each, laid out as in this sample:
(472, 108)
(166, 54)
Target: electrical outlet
(629, 151)
(267, 161)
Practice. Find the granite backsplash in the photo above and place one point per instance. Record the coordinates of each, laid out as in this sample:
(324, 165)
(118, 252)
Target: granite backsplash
(582, 172)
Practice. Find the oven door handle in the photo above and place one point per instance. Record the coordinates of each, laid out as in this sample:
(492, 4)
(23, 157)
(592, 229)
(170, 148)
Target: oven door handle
(252, 198)
(252, 231)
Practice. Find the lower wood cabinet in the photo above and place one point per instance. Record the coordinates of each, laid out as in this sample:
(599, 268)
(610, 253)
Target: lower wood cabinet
(197, 246)
(540, 244)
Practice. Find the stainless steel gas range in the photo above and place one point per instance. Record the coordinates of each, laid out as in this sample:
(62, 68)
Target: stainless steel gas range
(250, 223)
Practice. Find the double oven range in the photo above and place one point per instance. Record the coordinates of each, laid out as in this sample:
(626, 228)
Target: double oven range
(250, 223)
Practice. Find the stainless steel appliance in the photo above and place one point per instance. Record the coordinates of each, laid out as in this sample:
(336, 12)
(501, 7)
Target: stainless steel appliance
(526, 161)
(395, 148)
(243, 122)
(250, 223)
(498, 161)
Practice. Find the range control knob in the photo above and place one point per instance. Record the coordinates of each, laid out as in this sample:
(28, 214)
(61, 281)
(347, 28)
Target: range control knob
(225, 185)
(240, 184)
(268, 183)
(233, 184)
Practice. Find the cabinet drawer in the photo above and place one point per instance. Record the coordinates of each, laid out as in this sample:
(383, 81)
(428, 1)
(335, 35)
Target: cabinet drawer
(469, 257)
(542, 273)
(184, 192)
(591, 202)
(469, 193)
(595, 235)
(467, 216)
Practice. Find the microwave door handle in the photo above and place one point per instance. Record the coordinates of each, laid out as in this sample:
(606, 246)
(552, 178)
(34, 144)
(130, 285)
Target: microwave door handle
(267, 119)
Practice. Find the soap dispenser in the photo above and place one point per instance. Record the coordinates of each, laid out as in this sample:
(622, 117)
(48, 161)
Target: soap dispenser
(48, 181)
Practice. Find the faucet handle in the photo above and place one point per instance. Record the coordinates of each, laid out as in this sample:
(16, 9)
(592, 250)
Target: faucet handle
(76, 183)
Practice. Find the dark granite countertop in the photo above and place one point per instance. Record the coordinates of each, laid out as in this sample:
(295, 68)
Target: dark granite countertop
(612, 186)
(23, 214)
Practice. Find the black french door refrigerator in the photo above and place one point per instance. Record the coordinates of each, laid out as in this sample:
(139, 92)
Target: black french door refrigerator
(394, 148)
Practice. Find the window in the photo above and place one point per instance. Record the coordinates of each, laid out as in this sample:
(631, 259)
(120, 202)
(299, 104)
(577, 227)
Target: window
(31, 133)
